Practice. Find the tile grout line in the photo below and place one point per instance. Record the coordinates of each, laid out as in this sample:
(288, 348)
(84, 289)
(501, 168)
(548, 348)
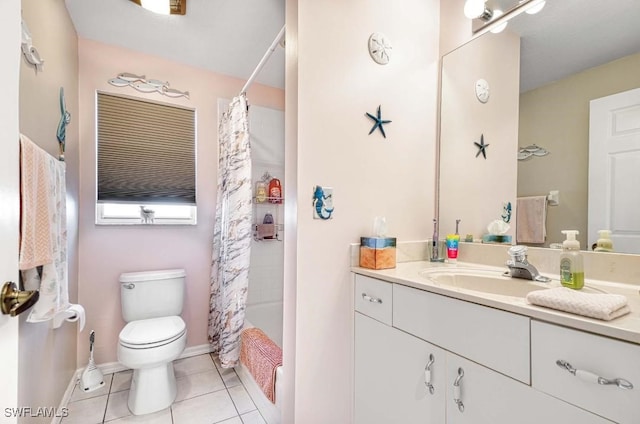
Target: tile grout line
(250, 397)
(104, 415)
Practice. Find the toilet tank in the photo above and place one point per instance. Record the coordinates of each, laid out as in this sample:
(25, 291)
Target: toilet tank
(152, 294)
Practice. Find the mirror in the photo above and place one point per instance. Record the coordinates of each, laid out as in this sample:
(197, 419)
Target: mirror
(570, 53)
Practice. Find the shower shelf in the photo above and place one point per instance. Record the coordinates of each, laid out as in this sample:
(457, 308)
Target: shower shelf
(260, 210)
(279, 228)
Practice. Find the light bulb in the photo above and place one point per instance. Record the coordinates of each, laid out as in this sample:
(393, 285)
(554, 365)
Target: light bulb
(536, 7)
(496, 14)
(158, 6)
(473, 8)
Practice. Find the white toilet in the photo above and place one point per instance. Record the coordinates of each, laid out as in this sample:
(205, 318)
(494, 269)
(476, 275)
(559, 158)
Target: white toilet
(154, 336)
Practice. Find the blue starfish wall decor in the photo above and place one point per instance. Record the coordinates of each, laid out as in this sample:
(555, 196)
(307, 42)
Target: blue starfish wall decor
(482, 148)
(378, 122)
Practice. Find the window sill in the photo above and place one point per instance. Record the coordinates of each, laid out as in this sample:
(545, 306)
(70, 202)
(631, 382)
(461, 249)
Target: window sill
(136, 222)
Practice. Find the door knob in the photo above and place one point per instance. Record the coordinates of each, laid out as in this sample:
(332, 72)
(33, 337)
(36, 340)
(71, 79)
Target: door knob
(14, 302)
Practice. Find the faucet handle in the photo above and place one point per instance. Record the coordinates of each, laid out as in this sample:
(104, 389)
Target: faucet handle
(518, 253)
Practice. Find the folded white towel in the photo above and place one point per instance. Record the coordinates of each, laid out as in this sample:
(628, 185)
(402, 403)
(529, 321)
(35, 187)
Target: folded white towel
(593, 305)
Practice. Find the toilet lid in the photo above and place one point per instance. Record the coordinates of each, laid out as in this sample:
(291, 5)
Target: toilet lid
(154, 331)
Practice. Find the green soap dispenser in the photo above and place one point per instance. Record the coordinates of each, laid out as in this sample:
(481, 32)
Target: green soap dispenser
(571, 266)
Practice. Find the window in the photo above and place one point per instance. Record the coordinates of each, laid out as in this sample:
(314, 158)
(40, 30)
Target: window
(146, 164)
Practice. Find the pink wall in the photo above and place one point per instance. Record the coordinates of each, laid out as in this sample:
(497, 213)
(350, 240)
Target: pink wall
(107, 251)
(337, 82)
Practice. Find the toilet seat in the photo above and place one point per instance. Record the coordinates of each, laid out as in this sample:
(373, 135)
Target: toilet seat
(150, 333)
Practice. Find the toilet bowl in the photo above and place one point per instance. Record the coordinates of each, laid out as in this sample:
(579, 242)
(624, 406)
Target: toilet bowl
(155, 335)
(149, 347)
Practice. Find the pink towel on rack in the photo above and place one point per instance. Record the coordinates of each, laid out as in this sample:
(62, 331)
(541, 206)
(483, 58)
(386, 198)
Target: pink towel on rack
(531, 219)
(262, 357)
(35, 186)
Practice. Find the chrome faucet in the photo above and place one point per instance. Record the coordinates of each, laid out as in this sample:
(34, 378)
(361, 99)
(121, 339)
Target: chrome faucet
(519, 267)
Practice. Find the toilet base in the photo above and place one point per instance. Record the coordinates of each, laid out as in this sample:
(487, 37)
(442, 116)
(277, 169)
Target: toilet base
(152, 389)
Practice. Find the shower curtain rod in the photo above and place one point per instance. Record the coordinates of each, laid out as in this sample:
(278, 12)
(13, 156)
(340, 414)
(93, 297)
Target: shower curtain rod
(264, 60)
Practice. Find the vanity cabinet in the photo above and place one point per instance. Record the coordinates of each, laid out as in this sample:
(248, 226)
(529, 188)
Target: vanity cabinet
(477, 360)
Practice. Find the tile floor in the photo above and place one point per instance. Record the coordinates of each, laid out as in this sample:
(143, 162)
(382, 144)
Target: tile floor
(207, 394)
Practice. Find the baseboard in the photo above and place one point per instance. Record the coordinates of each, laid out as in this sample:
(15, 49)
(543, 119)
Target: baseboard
(66, 397)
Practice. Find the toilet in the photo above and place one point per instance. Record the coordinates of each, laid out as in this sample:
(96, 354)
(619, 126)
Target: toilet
(154, 336)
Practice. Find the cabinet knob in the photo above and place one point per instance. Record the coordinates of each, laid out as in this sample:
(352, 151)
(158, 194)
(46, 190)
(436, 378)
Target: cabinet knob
(371, 299)
(457, 390)
(590, 377)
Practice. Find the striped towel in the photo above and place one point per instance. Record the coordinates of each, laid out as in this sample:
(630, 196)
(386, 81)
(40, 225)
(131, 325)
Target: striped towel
(594, 305)
(35, 186)
(262, 357)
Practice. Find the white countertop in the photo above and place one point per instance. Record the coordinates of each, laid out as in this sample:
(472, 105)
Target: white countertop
(625, 328)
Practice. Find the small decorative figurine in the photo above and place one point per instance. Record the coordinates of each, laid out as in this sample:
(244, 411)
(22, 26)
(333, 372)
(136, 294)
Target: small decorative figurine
(506, 212)
(482, 148)
(378, 122)
(322, 202)
(147, 216)
(65, 119)
(379, 48)
(144, 85)
(30, 53)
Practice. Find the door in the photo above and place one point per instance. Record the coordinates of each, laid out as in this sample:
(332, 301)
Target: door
(614, 170)
(393, 371)
(9, 196)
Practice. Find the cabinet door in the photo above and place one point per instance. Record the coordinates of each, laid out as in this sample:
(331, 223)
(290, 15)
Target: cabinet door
(591, 356)
(488, 397)
(390, 376)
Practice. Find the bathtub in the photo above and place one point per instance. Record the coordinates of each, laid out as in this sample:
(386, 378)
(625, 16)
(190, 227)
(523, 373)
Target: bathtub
(268, 317)
(269, 411)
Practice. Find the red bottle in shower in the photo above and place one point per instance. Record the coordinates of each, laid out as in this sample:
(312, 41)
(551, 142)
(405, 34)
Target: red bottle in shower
(275, 191)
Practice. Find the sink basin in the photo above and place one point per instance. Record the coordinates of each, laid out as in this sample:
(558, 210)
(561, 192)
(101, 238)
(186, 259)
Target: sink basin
(482, 280)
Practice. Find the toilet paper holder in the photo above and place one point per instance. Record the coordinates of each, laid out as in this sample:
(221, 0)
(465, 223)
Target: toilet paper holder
(72, 314)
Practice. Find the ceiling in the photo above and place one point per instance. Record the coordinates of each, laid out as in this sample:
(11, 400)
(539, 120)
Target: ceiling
(231, 36)
(225, 36)
(569, 36)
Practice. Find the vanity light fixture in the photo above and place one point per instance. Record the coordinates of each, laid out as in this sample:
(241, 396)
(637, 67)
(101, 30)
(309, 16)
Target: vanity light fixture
(164, 7)
(486, 19)
(477, 9)
(499, 28)
(536, 6)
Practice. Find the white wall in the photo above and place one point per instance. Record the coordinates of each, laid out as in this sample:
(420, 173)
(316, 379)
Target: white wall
(51, 354)
(337, 83)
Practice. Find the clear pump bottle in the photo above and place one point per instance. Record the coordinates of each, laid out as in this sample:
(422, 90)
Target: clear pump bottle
(571, 264)
(604, 243)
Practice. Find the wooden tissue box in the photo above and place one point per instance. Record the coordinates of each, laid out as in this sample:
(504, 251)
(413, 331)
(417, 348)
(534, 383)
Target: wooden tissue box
(378, 252)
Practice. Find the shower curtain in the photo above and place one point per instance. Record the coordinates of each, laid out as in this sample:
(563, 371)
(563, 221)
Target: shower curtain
(232, 234)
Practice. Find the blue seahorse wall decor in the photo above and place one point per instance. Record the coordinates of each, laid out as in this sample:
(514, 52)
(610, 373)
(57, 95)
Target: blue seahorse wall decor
(506, 212)
(323, 203)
